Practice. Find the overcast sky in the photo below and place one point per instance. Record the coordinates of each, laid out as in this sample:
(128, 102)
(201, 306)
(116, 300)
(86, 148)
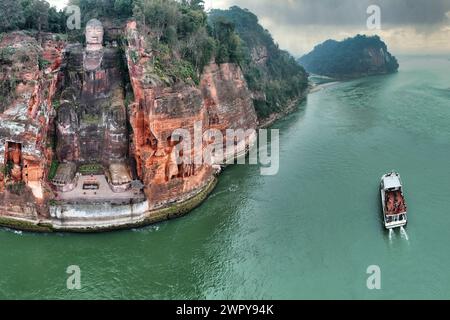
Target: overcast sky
(58, 3)
(407, 26)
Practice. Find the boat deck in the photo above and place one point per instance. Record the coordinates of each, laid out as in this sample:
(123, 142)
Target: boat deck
(395, 203)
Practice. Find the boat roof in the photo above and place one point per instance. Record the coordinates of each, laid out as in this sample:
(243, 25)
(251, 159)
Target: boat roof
(392, 181)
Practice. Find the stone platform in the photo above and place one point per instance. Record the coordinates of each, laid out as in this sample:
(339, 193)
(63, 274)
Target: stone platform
(103, 194)
(108, 217)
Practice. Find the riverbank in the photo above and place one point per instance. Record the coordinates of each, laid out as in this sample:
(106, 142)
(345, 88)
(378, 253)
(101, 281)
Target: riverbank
(91, 223)
(274, 117)
(106, 218)
(96, 218)
(310, 232)
(315, 87)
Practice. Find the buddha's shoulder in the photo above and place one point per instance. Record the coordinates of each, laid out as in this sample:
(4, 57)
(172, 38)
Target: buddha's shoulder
(74, 48)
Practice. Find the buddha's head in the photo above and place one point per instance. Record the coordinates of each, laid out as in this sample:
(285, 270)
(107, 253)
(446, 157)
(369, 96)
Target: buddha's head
(94, 35)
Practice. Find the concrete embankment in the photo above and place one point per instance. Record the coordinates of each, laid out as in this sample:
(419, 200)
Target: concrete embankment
(82, 219)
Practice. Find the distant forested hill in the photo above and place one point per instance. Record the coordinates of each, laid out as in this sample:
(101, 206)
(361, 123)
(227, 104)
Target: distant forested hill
(273, 75)
(351, 58)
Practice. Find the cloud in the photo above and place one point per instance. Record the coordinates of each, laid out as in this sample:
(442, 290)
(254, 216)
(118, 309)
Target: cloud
(407, 26)
(59, 4)
(347, 12)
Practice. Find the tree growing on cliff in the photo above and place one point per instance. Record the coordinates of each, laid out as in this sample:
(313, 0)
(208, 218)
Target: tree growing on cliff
(56, 20)
(30, 15)
(229, 44)
(177, 31)
(111, 9)
(159, 15)
(12, 16)
(273, 75)
(194, 4)
(123, 8)
(196, 43)
(41, 8)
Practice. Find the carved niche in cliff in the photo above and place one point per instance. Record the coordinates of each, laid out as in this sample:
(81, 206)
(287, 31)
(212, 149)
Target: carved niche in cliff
(92, 121)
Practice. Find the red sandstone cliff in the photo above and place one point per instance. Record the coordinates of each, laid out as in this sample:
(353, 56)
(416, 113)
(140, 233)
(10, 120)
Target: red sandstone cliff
(222, 102)
(30, 71)
(227, 98)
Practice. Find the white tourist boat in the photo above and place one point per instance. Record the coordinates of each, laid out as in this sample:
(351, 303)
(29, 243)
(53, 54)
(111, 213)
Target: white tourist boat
(393, 201)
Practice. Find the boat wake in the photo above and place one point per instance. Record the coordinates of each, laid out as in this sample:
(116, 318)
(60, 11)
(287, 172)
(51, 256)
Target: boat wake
(403, 234)
(232, 188)
(391, 234)
(148, 229)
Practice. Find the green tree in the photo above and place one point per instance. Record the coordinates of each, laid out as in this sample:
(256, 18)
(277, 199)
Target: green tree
(191, 21)
(56, 20)
(41, 8)
(158, 15)
(27, 7)
(198, 48)
(123, 8)
(177, 34)
(11, 17)
(40, 16)
(194, 4)
(110, 9)
(230, 49)
(272, 74)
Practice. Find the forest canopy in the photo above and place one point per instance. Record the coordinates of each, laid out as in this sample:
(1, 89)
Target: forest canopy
(350, 57)
(30, 14)
(183, 39)
(271, 73)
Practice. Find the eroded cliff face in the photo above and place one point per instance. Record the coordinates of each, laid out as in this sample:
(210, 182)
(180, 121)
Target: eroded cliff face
(227, 98)
(68, 104)
(30, 72)
(378, 60)
(229, 105)
(156, 113)
(277, 82)
(222, 102)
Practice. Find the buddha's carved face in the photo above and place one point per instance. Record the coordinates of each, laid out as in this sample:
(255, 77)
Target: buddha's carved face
(94, 32)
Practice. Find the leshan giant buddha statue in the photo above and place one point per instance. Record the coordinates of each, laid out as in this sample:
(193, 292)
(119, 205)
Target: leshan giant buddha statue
(91, 122)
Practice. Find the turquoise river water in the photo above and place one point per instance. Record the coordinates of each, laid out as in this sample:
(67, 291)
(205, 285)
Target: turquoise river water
(309, 232)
